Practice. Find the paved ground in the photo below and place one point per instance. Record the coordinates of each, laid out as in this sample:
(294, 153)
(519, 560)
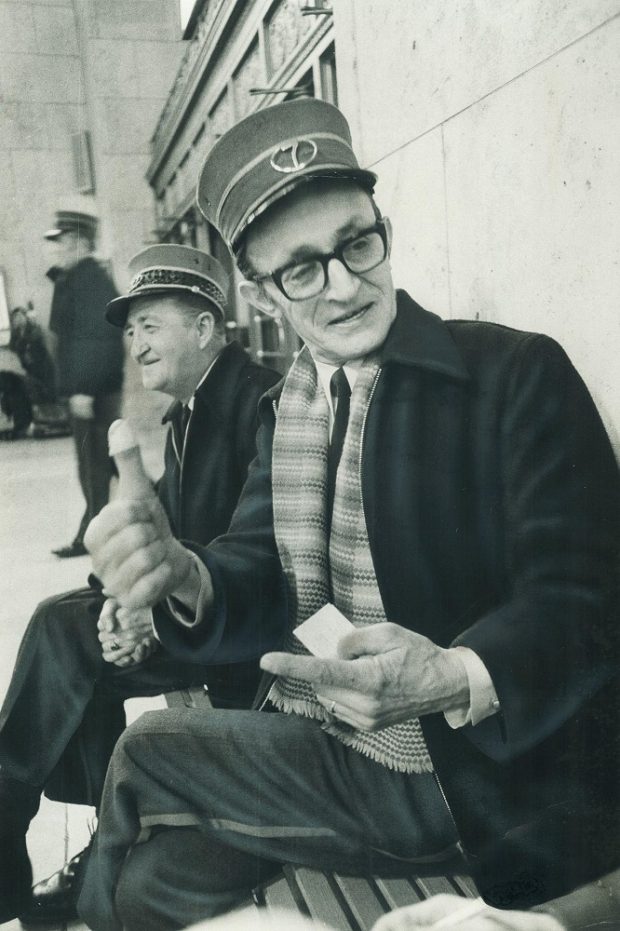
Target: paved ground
(40, 507)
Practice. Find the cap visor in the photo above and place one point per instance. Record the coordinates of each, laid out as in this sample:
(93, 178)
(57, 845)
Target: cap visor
(118, 309)
(53, 234)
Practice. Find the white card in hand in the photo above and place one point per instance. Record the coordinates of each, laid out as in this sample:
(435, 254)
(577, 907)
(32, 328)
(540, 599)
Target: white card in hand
(321, 632)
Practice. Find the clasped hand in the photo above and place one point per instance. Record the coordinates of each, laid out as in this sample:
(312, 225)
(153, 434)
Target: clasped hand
(135, 554)
(126, 635)
(385, 674)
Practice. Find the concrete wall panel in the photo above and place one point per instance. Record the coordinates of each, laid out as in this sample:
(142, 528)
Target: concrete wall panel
(411, 192)
(134, 19)
(40, 78)
(414, 63)
(24, 126)
(16, 28)
(533, 191)
(55, 30)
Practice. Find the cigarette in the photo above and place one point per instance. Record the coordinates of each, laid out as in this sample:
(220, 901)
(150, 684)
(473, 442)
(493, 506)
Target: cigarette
(471, 908)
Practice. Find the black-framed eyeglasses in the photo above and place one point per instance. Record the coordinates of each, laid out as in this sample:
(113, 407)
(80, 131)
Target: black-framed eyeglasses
(299, 281)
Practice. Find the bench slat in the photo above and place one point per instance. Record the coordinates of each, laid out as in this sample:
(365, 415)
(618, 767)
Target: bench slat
(278, 895)
(320, 899)
(361, 899)
(398, 892)
(466, 885)
(435, 885)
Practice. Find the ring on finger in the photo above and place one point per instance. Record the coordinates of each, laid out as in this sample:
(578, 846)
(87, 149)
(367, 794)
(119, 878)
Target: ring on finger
(332, 707)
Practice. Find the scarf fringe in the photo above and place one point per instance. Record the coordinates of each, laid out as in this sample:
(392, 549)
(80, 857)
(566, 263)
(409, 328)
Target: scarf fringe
(355, 741)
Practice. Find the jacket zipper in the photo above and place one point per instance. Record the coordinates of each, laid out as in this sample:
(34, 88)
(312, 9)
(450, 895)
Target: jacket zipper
(370, 397)
(265, 697)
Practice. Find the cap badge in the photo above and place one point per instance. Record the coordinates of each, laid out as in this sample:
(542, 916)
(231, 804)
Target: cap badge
(294, 156)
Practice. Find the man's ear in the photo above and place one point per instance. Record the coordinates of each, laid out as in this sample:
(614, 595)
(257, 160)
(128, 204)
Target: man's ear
(388, 230)
(254, 293)
(205, 324)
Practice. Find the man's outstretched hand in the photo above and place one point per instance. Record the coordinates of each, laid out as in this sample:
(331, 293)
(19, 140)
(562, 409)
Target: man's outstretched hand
(385, 675)
(135, 554)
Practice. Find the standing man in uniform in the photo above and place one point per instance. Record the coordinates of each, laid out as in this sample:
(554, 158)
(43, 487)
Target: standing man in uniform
(449, 487)
(89, 357)
(64, 708)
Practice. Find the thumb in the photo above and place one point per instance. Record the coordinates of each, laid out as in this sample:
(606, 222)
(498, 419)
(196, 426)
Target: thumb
(371, 640)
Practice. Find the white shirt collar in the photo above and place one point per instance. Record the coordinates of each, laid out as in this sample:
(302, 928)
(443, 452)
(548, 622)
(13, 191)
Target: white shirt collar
(325, 371)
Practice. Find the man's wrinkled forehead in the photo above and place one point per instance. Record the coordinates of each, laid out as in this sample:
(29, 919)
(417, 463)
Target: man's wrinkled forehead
(153, 308)
(314, 217)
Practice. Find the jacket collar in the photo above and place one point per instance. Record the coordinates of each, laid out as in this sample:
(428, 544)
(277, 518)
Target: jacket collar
(218, 389)
(418, 338)
(422, 339)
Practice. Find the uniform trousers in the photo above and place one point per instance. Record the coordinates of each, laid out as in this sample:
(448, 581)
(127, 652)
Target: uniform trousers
(63, 711)
(199, 807)
(95, 468)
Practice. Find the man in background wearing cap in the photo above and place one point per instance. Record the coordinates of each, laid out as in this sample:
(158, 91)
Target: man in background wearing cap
(450, 488)
(89, 357)
(64, 708)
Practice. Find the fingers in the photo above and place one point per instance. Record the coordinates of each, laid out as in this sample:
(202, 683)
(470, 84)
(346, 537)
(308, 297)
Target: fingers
(359, 711)
(331, 672)
(107, 617)
(122, 578)
(137, 619)
(115, 517)
(374, 639)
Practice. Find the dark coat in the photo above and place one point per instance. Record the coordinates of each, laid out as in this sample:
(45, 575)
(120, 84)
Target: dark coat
(89, 353)
(492, 503)
(203, 478)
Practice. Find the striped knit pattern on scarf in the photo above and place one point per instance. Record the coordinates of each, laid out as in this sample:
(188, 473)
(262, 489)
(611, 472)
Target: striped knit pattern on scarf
(299, 478)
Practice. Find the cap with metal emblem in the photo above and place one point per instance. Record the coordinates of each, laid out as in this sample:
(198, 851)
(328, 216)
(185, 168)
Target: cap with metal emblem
(169, 268)
(72, 221)
(270, 153)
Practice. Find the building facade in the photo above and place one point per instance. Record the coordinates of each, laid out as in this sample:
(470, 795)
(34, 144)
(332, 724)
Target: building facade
(240, 56)
(82, 83)
(493, 128)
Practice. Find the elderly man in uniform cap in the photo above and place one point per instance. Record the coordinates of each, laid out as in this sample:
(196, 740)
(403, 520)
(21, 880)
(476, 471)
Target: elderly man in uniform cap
(89, 357)
(449, 487)
(64, 709)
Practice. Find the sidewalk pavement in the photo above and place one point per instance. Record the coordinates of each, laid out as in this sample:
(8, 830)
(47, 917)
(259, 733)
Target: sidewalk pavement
(40, 508)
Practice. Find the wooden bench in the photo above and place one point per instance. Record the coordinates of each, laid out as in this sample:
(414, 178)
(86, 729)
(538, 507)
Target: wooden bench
(346, 903)
(351, 903)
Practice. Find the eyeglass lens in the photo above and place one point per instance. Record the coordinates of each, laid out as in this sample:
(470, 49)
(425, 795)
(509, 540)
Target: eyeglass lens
(306, 279)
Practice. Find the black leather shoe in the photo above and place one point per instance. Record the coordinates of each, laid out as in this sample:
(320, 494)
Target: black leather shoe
(55, 898)
(76, 548)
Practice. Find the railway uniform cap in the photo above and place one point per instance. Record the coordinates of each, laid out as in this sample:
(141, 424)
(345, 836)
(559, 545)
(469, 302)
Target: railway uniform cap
(167, 269)
(267, 155)
(72, 221)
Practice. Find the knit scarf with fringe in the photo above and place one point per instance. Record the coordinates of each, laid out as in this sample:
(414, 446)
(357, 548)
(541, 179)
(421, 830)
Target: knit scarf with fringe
(299, 476)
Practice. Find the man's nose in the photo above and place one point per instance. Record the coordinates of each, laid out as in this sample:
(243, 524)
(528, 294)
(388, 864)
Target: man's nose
(138, 346)
(342, 284)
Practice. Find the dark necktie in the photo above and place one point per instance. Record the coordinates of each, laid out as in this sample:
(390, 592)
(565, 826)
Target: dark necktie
(341, 393)
(179, 425)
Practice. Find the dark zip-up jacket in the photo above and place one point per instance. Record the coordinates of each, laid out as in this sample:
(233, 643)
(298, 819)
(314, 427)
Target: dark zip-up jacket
(203, 477)
(492, 502)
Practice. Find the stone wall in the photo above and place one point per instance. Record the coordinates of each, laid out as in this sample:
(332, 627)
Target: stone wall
(495, 130)
(68, 66)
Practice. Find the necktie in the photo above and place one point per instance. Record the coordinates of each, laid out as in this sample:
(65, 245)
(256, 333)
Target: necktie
(341, 393)
(179, 425)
